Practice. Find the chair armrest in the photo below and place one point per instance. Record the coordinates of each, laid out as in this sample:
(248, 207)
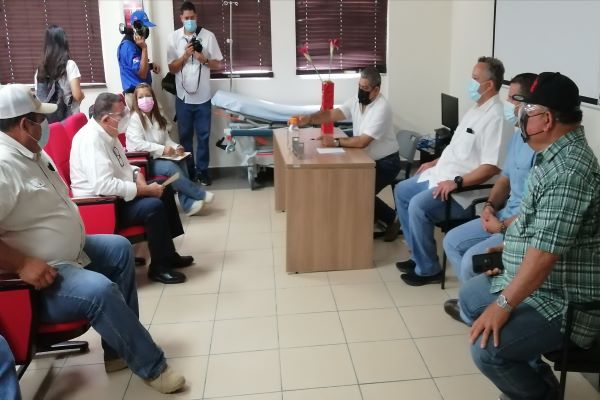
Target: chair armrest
(130, 154)
(82, 201)
(10, 281)
(473, 187)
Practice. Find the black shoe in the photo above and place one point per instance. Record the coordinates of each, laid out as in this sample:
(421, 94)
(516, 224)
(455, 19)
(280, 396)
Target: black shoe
(453, 309)
(181, 261)
(203, 178)
(392, 231)
(412, 279)
(166, 276)
(407, 266)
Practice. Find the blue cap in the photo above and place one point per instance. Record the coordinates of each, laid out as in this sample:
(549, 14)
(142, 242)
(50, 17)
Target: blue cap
(141, 16)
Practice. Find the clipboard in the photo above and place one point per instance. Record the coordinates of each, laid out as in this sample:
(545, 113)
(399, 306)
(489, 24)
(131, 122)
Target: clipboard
(171, 179)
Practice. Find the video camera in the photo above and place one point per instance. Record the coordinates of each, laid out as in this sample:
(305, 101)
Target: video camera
(138, 29)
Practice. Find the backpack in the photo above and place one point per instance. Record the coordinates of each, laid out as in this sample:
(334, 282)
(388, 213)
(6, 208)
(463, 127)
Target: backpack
(51, 92)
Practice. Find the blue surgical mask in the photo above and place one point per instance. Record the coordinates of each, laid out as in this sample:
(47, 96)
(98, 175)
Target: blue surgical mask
(45, 136)
(473, 90)
(190, 25)
(509, 113)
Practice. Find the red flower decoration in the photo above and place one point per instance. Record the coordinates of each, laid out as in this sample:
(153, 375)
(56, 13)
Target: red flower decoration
(334, 43)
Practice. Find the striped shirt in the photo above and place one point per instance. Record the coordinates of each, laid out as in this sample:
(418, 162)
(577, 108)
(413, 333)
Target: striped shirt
(560, 214)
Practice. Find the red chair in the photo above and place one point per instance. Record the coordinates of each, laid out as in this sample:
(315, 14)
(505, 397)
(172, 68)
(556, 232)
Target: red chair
(20, 326)
(98, 213)
(74, 123)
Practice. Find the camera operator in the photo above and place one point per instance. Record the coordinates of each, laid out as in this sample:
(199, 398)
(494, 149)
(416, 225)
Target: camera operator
(193, 51)
(132, 54)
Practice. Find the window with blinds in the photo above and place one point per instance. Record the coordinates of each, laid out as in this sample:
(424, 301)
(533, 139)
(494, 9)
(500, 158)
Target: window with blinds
(251, 34)
(23, 24)
(361, 26)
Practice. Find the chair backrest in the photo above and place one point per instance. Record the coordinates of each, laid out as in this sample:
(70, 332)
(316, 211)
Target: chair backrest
(17, 320)
(74, 123)
(59, 149)
(407, 140)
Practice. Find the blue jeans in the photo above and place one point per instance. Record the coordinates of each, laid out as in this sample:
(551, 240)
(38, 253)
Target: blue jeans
(465, 241)
(190, 118)
(187, 191)
(104, 293)
(9, 385)
(418, 212)
(515, 366)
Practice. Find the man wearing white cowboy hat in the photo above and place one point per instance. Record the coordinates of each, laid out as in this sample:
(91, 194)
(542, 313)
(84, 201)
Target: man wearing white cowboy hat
(42, 239)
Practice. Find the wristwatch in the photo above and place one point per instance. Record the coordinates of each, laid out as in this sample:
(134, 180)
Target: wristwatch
(459, 182)
(337, 143)
(502, 302)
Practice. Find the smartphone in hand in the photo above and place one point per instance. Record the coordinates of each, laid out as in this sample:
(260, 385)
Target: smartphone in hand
(487, 261)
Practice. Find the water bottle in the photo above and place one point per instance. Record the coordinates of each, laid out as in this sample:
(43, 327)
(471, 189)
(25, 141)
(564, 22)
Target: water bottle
(293, 133)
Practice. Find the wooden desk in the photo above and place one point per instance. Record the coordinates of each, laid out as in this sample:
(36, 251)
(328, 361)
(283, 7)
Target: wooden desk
(328, 199)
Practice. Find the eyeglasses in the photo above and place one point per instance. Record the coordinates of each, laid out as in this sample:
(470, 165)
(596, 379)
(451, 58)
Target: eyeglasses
(117, 154)
(121, 114)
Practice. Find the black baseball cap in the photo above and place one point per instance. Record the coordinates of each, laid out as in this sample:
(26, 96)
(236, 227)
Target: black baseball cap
(553, 90)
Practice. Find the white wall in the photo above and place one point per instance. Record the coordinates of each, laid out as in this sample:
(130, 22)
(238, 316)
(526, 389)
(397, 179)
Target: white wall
(432, 47)
(472, 34)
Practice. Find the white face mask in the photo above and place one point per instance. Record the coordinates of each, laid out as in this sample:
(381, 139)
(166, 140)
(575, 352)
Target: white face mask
(45, 136)
(123, 122)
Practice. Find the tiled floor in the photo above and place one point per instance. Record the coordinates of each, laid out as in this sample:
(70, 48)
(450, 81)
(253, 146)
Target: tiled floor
(241, 328)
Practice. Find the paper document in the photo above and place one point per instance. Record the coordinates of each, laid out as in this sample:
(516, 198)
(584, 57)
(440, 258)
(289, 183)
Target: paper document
(175, 157)
(330, 150)
(171, 179)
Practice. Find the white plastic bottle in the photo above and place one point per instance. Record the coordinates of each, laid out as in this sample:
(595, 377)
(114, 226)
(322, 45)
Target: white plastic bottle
(293, 133)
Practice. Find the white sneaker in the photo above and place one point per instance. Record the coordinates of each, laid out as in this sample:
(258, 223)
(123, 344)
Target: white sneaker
(168, 381)
(195, 208)
(209, 197)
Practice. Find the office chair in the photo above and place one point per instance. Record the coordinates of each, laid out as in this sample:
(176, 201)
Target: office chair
(449, 223)
(21, 328)
(572, 358)
(407, 143)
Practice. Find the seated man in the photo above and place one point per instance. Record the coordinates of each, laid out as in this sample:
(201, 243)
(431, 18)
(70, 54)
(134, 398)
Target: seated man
(99, 168)
(42, 240)
(551, 252)
(372, 126)
(475, 237)
(9, 385)
(472, 157)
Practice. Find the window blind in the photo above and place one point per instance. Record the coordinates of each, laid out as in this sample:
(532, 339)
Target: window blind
(23, 25)
(361, 26)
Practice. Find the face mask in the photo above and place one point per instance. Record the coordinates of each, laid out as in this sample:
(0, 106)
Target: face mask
(190, 25)
(473, 90)
(509, 113)
(123, 122)
(523, 120)
(45, 136)
(363, 97)
(146, 104)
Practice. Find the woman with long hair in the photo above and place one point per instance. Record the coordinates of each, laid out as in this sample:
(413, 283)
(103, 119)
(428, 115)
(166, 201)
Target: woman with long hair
(147, 131)
(56, 66)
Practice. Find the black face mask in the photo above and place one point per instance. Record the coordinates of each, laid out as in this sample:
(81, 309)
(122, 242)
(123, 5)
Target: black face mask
(363, 97)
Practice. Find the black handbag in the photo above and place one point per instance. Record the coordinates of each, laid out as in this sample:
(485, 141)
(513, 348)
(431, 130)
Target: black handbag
(168, 83)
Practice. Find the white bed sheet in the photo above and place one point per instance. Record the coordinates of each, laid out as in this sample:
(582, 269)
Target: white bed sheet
(259, 108)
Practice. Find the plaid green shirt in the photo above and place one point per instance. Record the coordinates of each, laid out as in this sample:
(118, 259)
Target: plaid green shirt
(560, 214)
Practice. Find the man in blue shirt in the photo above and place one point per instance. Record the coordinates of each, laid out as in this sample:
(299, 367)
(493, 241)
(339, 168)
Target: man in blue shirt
(132, 54)
(475, 237)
